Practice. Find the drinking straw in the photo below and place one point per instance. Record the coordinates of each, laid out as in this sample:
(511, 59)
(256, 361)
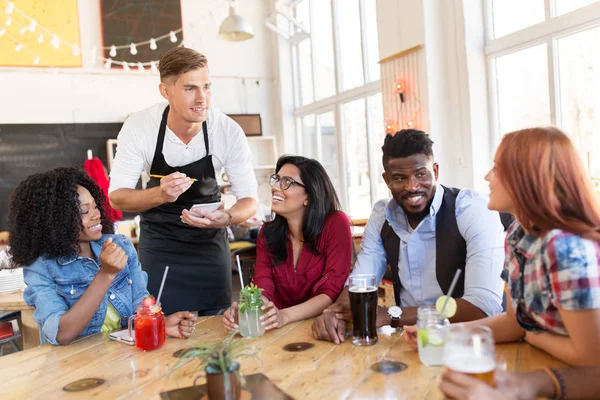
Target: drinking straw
(239, 265)
(162, 284)
(452, 286)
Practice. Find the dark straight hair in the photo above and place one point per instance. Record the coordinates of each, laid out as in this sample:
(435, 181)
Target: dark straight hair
(322, 201)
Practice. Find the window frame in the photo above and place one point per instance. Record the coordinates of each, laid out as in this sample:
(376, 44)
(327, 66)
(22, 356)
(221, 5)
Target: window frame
(547, 32)
(334, 103)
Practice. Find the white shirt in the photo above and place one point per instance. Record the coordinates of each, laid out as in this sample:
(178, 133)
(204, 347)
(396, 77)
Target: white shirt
(227, 142)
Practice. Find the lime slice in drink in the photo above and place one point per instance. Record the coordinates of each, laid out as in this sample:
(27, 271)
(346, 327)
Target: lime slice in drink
(450, 307)
(436, 338)
(243, 307)
(423, 337)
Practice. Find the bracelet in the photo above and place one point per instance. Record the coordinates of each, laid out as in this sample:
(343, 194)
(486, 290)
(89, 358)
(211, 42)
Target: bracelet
(230, 221)
(557, 380)
(561, 383)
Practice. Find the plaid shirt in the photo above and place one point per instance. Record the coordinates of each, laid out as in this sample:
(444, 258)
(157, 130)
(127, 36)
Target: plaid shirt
(560, 269)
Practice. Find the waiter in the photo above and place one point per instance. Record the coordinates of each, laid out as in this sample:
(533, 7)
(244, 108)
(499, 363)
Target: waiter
(189, 143)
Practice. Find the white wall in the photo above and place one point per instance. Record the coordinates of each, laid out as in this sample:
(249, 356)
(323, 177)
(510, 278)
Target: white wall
(93, 94)
(454, 95)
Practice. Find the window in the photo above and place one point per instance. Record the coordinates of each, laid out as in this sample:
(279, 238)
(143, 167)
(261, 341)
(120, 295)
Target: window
(339, 108)
(512, 15)
(323, 50)
(549, 73)
(518, 108)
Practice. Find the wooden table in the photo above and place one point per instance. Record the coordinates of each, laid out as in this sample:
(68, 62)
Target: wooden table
(324, 372)
(29, 328)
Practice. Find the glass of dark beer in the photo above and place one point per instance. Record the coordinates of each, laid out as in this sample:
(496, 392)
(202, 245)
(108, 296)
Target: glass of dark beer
(363, 303)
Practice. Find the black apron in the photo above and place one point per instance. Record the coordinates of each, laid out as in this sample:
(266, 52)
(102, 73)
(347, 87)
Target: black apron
(199, 261)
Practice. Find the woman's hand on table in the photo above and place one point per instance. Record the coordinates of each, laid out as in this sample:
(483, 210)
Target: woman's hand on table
(230, 318)
(180, 324)
(510, 386)
(272, 316)
(410, 335)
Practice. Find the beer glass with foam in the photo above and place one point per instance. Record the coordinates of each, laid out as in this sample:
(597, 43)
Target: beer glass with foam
(470, 350)
(363, 304)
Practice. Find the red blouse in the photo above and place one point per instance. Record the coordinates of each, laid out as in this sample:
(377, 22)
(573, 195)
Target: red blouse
(325, 273)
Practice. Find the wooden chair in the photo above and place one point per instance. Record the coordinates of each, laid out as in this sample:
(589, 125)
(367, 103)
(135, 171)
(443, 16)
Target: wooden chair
(247, 256)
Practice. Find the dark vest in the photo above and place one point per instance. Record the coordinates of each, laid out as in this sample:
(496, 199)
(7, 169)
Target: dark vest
(450, 246)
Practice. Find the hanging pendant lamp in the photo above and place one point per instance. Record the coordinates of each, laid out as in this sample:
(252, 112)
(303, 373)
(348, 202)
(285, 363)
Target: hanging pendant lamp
(234, 28)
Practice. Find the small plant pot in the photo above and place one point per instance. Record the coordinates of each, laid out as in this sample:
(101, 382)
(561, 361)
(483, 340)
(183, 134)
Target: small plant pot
(218, 389)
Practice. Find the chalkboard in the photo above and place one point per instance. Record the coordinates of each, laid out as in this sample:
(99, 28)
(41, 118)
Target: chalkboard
(29, 148)
(125, 22)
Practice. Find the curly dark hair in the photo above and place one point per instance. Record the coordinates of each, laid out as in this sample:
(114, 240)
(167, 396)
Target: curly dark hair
(44, 217)
(322, 201)
(405, 143)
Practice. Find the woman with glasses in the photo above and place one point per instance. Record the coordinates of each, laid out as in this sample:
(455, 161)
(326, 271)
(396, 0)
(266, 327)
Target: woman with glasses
(303, 256)
(552, 265)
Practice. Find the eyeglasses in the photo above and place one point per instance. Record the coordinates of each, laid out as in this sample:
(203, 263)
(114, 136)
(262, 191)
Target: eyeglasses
(284, 181)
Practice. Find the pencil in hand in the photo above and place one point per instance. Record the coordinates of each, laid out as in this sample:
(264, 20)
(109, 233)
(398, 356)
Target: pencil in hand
(162, 176)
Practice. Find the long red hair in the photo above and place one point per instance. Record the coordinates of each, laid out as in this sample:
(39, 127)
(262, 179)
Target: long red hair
(545, 177)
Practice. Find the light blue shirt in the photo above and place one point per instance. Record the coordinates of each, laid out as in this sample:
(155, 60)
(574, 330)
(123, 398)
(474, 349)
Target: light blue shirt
(482, 230)
(54, 285)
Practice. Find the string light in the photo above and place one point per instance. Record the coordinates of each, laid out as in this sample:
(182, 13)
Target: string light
(125, 66)
(36, 61)
(400, 90)
(389, 128)
(55, 42)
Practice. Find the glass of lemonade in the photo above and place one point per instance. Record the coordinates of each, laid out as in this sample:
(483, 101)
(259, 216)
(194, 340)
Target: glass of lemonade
(431, 335)
(470, 350)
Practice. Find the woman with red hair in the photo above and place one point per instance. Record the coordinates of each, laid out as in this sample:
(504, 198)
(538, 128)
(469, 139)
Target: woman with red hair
(552, 249)
(552, 265)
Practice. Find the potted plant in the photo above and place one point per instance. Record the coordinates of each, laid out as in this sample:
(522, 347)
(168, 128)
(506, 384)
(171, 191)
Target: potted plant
(222, 370)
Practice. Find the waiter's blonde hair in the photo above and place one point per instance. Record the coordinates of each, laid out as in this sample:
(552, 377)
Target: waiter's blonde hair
(180, 60)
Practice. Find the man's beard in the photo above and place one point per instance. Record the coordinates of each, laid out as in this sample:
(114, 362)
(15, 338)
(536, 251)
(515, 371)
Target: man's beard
(420, 215)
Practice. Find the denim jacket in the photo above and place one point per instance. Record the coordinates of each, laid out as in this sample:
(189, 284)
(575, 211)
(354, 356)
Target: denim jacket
(55, 285)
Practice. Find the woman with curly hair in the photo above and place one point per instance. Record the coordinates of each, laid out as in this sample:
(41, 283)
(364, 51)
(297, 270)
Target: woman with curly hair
(81, 278)
(303, 256)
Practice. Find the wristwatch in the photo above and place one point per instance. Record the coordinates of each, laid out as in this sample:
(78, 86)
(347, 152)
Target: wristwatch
(395, 313)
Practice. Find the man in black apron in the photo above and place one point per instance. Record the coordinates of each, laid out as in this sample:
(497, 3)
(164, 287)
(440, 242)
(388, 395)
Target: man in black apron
(194, 247)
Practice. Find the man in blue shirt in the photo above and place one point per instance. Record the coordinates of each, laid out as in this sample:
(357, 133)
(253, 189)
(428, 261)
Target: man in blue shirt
(425, 233)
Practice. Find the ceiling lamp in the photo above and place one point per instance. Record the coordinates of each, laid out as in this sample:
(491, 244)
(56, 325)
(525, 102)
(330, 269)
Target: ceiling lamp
(234, 28)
